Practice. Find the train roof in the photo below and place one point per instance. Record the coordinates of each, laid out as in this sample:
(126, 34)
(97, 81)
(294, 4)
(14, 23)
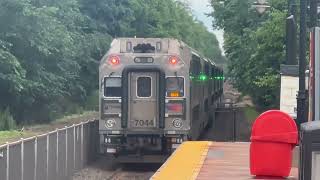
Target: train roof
(161, 45)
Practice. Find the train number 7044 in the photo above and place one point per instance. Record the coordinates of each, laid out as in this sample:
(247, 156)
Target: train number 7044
(143, 123)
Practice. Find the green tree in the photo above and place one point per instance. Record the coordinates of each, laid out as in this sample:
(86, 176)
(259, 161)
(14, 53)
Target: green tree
(6, 120)
(254, 46)
(50, 49)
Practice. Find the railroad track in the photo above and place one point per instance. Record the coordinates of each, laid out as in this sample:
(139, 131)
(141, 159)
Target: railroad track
(106, 169)
(116, 174)
(120, 174)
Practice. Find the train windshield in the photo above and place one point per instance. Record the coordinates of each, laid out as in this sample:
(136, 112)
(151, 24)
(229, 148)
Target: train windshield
(144, 87)
(175, 86)
(112, 87)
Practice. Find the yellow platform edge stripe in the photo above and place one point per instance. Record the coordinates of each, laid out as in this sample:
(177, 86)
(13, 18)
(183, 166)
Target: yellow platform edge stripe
(185, 163)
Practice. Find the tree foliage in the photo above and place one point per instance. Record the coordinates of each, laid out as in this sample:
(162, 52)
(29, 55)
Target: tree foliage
(6, 120)
(254, 46)
(50, 49)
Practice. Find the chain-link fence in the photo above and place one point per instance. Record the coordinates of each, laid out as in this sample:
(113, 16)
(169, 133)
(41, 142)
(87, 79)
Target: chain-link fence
(55, 155)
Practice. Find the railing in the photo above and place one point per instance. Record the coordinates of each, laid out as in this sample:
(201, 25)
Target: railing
(55, 155)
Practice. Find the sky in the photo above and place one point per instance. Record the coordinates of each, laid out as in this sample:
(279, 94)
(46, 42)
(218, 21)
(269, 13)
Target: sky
(200, 8)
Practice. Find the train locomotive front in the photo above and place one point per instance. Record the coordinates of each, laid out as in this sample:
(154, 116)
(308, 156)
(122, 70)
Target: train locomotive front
(145, 99)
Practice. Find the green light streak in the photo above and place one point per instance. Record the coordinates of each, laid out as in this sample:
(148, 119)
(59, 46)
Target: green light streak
(203, 77)
(219, 77)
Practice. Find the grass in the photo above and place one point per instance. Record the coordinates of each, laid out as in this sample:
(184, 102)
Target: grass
(36, 129)
(68, 118)
(251, 114)
(9, 136)
(65, 121)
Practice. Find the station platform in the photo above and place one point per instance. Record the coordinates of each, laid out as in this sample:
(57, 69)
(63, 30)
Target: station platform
(203, 160)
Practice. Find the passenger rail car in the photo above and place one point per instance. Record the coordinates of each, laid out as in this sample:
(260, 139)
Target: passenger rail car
(154, 94)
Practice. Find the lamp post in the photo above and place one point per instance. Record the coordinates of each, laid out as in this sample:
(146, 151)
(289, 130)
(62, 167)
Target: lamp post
(261, 6)
(302, 95)
(292, 7)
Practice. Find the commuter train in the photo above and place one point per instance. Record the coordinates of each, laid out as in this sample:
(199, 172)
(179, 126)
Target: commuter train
(154, 94)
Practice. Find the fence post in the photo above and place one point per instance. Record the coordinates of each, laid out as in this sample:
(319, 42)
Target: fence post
(22, 158)
(81, 155)
(8, 161)
(97, 139)
(47, 151)
(35, 157)
(234, 124)
(57, 152)
(66, 152)
(74, 148)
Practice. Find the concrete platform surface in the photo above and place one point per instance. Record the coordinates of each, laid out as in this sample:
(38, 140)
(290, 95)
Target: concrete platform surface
(210, 160)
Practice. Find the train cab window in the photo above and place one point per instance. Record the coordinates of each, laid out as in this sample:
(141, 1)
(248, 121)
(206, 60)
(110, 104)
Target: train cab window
(112, 87)
(175, 87)
(144, 87)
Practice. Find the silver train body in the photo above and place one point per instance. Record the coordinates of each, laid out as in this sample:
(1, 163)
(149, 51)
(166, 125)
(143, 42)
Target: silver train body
(154, 94)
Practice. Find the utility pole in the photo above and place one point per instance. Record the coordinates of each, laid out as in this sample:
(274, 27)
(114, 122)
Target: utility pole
(313, 13)
(301, 98)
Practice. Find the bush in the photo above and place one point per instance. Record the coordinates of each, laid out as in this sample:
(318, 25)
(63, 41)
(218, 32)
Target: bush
(6, 120)
(92, 102)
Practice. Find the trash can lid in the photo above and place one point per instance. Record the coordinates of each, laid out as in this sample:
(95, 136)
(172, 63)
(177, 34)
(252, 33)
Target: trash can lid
(275, 126)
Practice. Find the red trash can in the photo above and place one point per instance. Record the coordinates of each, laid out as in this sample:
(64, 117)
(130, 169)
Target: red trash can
(273, 138)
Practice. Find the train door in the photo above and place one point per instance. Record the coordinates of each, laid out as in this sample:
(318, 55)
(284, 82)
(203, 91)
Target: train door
(143, 100)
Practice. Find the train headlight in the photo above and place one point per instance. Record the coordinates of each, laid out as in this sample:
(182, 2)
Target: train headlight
(110, 123)
(114, 60)
(177, 123)
(173, 60)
